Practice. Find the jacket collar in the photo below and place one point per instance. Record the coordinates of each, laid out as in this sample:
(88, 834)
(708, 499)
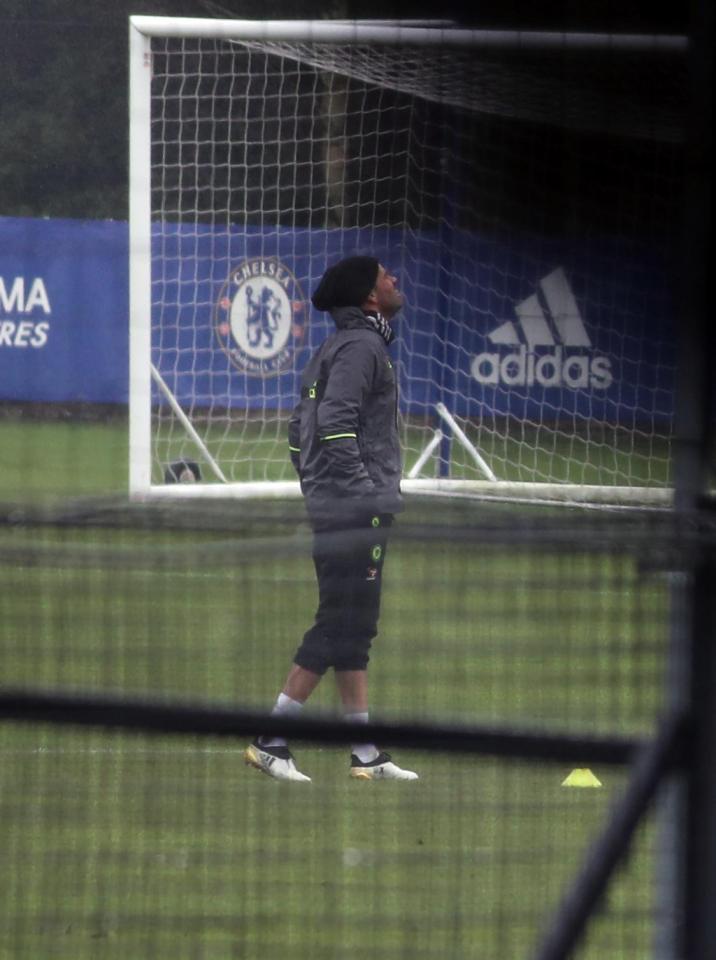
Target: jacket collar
(351, 318)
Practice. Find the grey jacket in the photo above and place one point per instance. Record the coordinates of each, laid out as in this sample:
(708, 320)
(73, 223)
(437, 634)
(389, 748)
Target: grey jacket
(343, 432)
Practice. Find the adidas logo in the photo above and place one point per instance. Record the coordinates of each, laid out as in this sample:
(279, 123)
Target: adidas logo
(560, 327)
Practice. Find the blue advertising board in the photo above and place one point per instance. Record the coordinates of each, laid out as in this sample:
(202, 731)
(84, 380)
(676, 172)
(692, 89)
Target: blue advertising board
(63, 311)
(521, 326)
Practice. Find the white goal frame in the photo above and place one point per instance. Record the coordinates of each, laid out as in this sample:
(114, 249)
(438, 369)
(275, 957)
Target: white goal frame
(142, 29)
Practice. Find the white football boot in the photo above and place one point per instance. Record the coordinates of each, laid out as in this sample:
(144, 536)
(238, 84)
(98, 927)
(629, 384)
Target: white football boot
(277, 762)
(382, 768)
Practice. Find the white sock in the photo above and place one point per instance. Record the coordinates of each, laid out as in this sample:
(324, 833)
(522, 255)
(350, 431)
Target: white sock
(366, 752)
(284, 707)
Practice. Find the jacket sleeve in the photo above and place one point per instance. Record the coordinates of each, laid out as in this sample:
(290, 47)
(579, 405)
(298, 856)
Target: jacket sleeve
(339, 421)
(294, 437)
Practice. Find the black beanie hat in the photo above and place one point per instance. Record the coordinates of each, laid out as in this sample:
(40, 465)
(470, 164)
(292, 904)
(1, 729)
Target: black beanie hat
(347, 283)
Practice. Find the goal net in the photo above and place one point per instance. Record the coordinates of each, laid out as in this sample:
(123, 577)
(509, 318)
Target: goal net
(524, 188)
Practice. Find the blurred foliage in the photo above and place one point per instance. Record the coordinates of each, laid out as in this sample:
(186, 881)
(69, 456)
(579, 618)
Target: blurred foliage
(64, 114)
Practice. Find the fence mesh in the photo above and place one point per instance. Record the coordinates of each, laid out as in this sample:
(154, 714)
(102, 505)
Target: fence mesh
(124, 843)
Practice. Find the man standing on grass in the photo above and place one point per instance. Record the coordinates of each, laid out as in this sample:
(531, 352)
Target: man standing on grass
(343, 440)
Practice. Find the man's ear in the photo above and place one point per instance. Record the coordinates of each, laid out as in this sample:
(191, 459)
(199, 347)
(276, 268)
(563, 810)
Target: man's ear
(371, 301)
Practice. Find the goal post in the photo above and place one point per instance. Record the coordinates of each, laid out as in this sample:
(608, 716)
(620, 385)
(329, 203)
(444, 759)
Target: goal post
(525, 187)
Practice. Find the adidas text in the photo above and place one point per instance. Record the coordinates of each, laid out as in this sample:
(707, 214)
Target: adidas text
(520, 368)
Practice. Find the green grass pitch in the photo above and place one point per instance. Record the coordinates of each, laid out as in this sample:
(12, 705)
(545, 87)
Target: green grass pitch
(135, 846)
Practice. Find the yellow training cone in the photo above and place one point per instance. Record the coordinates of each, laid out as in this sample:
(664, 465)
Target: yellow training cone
(581, 777)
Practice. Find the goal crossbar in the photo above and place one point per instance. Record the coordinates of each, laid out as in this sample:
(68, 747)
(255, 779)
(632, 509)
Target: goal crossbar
(322, 31)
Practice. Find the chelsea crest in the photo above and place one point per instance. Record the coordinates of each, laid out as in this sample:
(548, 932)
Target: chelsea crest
(260, 317)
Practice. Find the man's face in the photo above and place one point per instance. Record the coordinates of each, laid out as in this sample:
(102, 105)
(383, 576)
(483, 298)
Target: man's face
(385, 295)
